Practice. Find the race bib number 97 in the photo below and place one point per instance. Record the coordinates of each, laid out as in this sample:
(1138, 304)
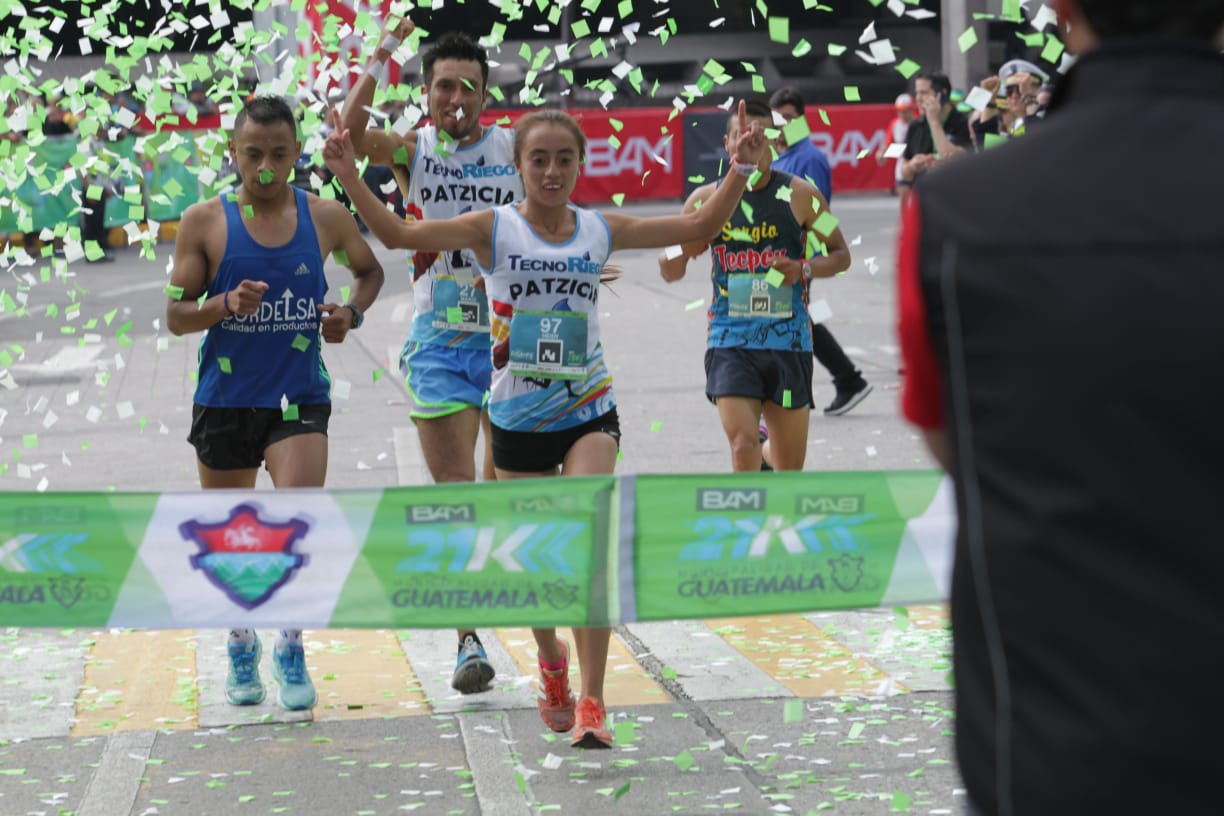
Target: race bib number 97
(551, 345)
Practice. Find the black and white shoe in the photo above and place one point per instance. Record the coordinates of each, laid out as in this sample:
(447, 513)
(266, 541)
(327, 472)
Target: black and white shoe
(845, 400)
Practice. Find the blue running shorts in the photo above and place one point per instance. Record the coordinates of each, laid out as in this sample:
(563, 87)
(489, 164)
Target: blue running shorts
(442, 380)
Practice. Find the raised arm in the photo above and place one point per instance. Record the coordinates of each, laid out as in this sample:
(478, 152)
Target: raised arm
(377, 146)
(472, 230)
(629, 232)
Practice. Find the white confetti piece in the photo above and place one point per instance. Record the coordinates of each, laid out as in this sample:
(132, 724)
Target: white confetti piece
(978, 98)
(819, 311)
(552, 762)
(868, 34)
(93, 414)
(882, 52)
(341, 389)
(125, 410)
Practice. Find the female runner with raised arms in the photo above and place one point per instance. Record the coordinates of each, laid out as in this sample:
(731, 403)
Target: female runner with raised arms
(551, 404)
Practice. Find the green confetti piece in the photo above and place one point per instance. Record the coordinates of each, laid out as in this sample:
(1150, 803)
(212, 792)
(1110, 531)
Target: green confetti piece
(618, 199)
(301, 342)
(856, 730)
(779, 29)
(290, 414)
(521, 782)
(825, 223)
(454, 314)
(993, 140)
(852, 93)
(786, 403)
(248, 211)
(792, 710)
(774, 278)
(684, 761)
(695, 304)
(224, 363)
(341, 257)
(900, 803)
(1011, 10)
(907, 68)
(29, 441)
(1053, 49)
(624, 733)
(836, 50)
(378, 374)
(616, 124)
(656, 426)
(796, 130)
(621, 791)
(801, 49)
(967, 39)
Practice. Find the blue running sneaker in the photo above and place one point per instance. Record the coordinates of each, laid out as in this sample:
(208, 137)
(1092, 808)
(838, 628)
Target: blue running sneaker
(242, 684)
(296, 693)
(473, 671)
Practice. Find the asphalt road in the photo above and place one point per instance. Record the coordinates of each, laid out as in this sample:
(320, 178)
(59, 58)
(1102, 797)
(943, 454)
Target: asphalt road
(846, 713)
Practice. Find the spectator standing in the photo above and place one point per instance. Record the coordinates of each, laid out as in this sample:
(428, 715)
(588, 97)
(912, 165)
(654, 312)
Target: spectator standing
(805, 160)
(1088, 566)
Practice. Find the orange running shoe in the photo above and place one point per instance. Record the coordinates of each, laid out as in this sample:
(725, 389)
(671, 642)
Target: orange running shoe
(590, 731)
(556, 702)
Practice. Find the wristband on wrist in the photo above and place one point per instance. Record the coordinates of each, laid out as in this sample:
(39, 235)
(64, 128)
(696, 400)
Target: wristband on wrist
(389, 43)
(743, 168)
(225, 302)
(377, 71)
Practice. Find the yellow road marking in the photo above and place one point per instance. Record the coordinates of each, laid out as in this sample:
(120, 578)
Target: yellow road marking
(799, 655)
(929, 616)
(138, 681)
(361, 674)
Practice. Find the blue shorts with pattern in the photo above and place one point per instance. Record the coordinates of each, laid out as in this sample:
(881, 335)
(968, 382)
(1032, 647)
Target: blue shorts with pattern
(442, 380)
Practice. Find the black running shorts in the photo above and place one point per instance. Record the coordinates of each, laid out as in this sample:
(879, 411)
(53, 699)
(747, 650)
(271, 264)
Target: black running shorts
(235, 438)
(537, 452)
(769, 375)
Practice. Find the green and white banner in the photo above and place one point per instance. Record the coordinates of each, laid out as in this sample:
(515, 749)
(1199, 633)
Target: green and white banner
(566, 552)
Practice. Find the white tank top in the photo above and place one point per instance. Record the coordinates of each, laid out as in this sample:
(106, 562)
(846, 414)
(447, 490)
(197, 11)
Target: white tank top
(548, 366)
(449, 310)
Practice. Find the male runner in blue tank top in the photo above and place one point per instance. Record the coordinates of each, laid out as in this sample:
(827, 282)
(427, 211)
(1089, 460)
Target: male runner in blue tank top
(449, 167)
(759, 359)
(250, 267)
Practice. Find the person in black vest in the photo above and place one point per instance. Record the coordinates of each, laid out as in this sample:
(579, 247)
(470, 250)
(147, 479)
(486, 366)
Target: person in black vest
(1086, 584)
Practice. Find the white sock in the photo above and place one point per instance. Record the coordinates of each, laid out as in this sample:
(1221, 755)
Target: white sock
(288, 637)
(243, 637)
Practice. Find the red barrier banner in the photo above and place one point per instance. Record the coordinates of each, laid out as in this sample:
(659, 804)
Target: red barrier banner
(635, 152)
(850, 142)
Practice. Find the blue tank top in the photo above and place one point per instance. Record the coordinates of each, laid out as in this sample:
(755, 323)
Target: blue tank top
(252, 361)
(746, 312)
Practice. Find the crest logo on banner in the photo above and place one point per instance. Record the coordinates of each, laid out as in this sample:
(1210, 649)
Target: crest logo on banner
(244, 556)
